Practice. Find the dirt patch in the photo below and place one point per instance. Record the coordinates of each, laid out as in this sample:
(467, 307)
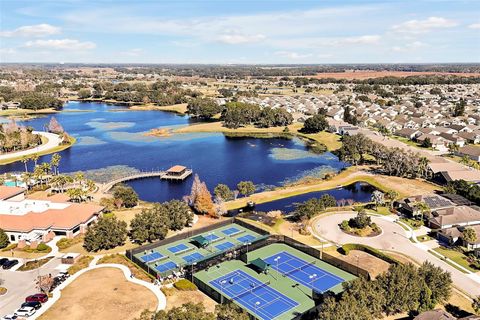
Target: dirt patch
(366, 74)
(102, 294)
(373, 265)
(158, 132)
(175, 298)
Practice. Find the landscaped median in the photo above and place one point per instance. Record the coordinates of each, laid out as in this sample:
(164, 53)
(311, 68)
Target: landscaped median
(459, 258)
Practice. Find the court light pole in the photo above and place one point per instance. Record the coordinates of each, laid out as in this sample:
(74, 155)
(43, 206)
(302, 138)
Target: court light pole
(276, 260)
(193, 264)
(248, 243)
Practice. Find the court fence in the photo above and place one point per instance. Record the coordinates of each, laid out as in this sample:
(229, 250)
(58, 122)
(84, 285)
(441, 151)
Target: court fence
(211, 259)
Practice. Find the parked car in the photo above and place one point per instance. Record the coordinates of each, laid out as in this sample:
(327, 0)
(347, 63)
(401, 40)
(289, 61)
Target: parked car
(25, 312)
(34, 304)
(39, 297)
(10, 317)
(3, 261)
(10, 263)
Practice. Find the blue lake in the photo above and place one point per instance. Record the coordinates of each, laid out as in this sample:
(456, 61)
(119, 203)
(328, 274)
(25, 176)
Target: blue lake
(109, 135)
(355, 192)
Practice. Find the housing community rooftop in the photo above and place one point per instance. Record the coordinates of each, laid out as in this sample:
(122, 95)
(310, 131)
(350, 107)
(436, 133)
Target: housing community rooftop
(269, 276)
(29, 221)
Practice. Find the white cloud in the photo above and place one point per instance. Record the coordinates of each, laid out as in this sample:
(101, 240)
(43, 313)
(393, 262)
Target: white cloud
(293, 55)
(135, 52)
(60, 44)
(34, 31)
(423, 26)
(474, 26)
(409, 46)
(367, 39)
(236, 38)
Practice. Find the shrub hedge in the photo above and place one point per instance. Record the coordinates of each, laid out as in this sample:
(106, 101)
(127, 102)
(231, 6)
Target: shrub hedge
(346, 248)
(185, 285)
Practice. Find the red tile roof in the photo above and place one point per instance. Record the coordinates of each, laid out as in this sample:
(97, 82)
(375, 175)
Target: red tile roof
(8, 192)
(67, 218)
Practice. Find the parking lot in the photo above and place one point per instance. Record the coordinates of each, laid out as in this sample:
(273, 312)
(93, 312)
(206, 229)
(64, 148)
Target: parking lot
(21, 284)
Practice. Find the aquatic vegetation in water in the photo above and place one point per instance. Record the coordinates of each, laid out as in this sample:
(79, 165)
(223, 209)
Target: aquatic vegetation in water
(131, 136)
(109, 173)
(106, 126)
(90, 141)
(290, 154)
(316, 173)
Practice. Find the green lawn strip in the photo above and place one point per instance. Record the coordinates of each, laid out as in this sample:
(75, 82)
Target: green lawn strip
(457, 257)
(414, 224)
(34, 264)
(42, 153)
(346, 248)
(82, 263)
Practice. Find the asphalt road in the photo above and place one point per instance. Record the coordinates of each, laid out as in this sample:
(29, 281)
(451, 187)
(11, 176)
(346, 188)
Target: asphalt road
(54, 140)
(393, 238)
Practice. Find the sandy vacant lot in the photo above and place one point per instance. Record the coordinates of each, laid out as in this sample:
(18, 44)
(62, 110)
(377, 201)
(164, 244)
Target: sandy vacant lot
(359, 75)
(101, 294)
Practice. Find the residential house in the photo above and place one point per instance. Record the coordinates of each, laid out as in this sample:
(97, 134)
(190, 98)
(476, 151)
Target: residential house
(473, 152)
(458, 216)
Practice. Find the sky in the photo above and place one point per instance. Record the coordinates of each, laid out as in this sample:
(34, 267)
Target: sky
(240, 32)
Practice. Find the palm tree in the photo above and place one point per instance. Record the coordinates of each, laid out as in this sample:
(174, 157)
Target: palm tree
(35, 157)
(25, 160)
(423, 208)
(422, 166)
(60, 181)
(55, 162)
(26, 178)
(465, 160)
(452, 148)
(392, 195)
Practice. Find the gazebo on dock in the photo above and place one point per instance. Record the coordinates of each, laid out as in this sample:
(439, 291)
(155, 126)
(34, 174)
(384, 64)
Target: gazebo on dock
(177, 172)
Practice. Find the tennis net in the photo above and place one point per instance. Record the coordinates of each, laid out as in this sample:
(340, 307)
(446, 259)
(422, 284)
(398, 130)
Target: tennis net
(250, 290)
(298, 269)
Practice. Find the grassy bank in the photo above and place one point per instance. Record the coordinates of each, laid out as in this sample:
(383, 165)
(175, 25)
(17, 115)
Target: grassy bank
(49, 151)
(404, 187)
(27, 113)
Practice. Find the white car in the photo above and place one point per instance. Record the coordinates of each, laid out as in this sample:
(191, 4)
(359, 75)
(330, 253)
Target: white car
(25, 312)
(9, 317)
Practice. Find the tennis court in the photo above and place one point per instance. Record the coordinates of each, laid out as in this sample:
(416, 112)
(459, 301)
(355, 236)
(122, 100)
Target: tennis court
(224, 246)
(259, 298)
(193, 257)
(178, 248)
(166, 266)
(212, 237)
(246, 238)
(151, 257)
(302, 271)
(231, 231)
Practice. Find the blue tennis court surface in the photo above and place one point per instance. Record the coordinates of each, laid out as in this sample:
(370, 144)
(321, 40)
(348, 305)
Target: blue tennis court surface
(193, 257)
(151, 257)
(246, 238)
(224, 246)
(230, 231)
(303, 272)
(261, 299)
(211, 237)
(178, 248)
(166, 266)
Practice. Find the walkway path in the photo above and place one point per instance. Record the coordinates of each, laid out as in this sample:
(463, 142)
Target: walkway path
(393, 238)
(54, 140)
(162, 301)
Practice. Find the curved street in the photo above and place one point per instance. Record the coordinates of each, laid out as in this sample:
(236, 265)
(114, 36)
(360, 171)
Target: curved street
(393, 238)
(54, 140)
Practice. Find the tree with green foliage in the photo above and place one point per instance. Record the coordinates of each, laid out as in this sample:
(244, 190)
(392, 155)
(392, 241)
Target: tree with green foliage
(438, 281)
(84, 93)
(367, 293)
(55, 162)
(107, 233)
(346, 308)
(204, 108)
(150, 225)
(230, 311)
(476, 305)
(246, 188)
(315, 124)
(401, 285)
(309, 208)
(378, 198)
(426, 143)
(469, 235)
(125, 196)
(179, 214)
(223, 191)
(459, 108)
(4, 241)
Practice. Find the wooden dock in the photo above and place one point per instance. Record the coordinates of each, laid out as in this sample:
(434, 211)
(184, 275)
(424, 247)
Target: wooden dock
(168, 176)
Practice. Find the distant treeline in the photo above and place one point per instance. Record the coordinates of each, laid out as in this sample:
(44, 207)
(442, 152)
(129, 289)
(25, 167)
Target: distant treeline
(390, 80)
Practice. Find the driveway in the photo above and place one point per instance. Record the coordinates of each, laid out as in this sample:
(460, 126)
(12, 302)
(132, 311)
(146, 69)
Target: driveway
(393, 238)
(22, 283)
(54, 140)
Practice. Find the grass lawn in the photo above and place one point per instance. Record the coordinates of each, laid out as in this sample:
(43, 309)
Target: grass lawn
(27, 113)
(331, 140)
(82, 263)
(102, 294)
(121, 259)
(383, 210)
(177, 108)
(49, 151)
(414, 224)
(456, 256)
